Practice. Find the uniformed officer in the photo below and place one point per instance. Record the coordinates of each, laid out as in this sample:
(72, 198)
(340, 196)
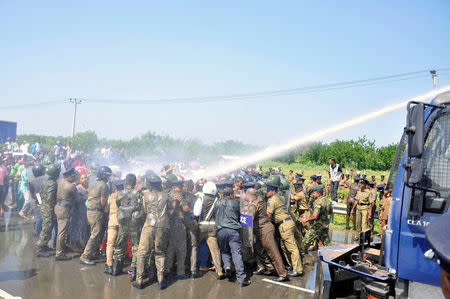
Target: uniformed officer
(264, 232)
(176, 251)
(438, 237)
(383, 181)
(299, 204)
(47, 194)
(97, 197)
(354, 188)
(155, 232)
(373, 180)
(320, 221)
(291, 177)
(191, 227)
(207, 226)
(311, 185)
(128, 215)
(383, 215)
(276, 208)
(113, 225)
(66, 195)
(344, 186)
(361, 207)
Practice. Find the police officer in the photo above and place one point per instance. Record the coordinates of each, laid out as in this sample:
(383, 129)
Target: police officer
(354, 188)
(344, 186)
(128, 203)
(320, 220)
(208, 228)
(113, 225)
(176, 251)
(438, 237)
(276, 208)
(47, 194)
(384, 209)
(66, 195)
(298, 200)
(264, 232)
(155, 232)
(311, 185)
(227, 221)
(361, 207)
(191, 227)
(97, 197)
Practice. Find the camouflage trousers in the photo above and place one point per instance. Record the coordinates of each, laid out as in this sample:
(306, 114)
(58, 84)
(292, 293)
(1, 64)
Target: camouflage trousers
(120, 247)
(48, 215)
(314, 236)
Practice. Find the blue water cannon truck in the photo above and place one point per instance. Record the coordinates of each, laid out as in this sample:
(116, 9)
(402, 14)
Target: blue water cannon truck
(401, 264)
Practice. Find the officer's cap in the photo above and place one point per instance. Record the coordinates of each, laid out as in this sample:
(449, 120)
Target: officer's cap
(318, 176)
(301, 179)
(248, 185)
(382, 175)
(438, 237)
(298, 184)
(364, 181)
(271, 187)
(299, 175)
(224, 184)
(313, 177)
(356, 177)
(373, 177)
(177, 183)
(70, 172)
(317, 188)
(119, 183)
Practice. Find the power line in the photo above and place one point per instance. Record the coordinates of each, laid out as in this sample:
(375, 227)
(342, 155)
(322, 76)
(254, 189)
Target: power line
(273, 93)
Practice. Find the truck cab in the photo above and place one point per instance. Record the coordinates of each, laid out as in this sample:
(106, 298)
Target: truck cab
(402, 264)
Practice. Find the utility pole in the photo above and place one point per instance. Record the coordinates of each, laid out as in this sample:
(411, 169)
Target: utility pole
(75, 103)
(434, 76)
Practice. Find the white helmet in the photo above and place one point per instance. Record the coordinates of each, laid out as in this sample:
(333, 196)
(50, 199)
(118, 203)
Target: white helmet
(210, 188)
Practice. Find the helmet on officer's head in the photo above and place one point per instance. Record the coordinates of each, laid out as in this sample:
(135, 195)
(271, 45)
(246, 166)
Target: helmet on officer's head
(48, 160)
(210, 188)
(274, 180)
(153, 180)
(53, 171)
(38, 170)
(104, 172)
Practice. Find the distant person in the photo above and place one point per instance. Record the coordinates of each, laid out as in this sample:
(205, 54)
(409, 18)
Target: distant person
(335, 177)
(3, 185)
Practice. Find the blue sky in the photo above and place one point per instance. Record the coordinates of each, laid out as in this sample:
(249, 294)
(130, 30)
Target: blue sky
(54, 50)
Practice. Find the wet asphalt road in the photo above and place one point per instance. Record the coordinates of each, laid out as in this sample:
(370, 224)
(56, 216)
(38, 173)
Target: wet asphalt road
(23, 275)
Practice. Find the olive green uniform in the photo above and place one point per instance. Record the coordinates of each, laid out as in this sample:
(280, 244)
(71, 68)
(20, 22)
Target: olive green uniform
(286, 226)
(155, 233)
(129, 229)
(319, 228)
(384, 213)
(177, 238)
(362, 210)
(66, 195)
(96, 217)
(354, 188)
(48, 198)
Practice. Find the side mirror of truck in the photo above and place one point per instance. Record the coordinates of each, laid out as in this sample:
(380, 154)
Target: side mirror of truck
(415, 130)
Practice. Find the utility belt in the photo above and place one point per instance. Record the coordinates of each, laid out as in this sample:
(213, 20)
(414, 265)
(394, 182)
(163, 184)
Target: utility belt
(207, 223)
(364, 204)
(285, 220)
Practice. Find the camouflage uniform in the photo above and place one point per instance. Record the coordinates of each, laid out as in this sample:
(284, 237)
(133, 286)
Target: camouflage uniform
(128, 198)
(319, 228)
(48, 197)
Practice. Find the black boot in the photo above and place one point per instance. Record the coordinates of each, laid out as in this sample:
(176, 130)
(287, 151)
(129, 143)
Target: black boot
(117, 268)
(133, 274)
(108, 270)
(42, 253)
(138, 285)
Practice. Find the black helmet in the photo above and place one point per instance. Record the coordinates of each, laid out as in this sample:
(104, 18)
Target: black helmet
(103, 172)
(38, 170)
(53, 171)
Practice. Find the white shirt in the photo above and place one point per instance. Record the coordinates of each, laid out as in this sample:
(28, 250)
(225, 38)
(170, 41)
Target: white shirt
(335, 173)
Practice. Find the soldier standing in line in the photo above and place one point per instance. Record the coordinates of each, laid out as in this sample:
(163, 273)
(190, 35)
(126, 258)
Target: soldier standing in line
(361, 207)
(155, 232)
(66, 195)
(276, 208)
(311, 185)
(354, 188)
(128, 215)
(97, 197)
(113, 225)
(320, 217)
(47, 194)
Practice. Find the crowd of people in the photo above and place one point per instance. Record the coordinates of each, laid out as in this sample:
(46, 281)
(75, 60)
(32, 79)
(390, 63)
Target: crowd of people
(166, 227)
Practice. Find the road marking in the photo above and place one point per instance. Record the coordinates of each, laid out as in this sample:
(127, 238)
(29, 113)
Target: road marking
(288, 285)
(6, 295)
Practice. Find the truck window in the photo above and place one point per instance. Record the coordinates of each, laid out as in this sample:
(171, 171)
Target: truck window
(436, 156)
